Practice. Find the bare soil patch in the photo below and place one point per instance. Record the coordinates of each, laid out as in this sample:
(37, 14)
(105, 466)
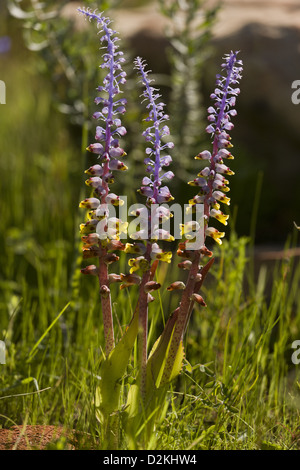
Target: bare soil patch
(35, 437)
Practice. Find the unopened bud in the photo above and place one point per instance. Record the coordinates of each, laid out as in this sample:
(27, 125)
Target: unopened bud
(129, 280)
(90, 239)
(177, 285)
(205, 251)
(114, 278)
(104, 291)
(185, 264)
(91, 252)
(151, 285)
(199, 299)
(189, 255)
(92, 269)
(113, 245)
(110, 258)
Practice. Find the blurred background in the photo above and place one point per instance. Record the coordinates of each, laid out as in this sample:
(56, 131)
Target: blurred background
(49, 58)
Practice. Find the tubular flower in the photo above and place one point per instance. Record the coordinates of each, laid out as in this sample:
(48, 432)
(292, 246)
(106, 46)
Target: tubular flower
(101, 232)
(158, 254)
(211, 180)
(92, 269)
(177, 285)
(107, 135)
(150, 286)
(138, 263)
(129, 280)
(153, 185)
(137, 248)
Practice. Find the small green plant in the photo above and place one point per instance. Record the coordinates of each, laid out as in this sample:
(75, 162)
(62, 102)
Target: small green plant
(102, 233)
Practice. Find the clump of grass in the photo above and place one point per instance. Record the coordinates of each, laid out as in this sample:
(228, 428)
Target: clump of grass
(239, 390)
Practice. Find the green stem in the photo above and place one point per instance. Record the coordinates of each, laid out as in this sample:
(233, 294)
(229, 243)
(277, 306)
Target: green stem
(143, 326)
(106, 308)
(184, 310)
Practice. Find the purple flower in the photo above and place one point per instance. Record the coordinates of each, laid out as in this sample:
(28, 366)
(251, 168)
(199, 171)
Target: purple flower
(107, 136)
(5, 44)
(154, 134)
(211, 179)
(155, 160)
(109, 152)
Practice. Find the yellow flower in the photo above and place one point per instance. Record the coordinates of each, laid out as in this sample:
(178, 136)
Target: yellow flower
(164, 256)
(159, 254)
(114, 200)
(90, 203)
(88, 227)
(129, 280)
(189, 228)
(219, 196)
(215, 234)
(138, 263)
(220, 216)
(161, 234)
(137, 248)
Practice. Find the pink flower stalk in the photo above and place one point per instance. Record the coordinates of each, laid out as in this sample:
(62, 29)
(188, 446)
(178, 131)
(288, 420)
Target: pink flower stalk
(156, 193)
(97, 237)
(212, 186)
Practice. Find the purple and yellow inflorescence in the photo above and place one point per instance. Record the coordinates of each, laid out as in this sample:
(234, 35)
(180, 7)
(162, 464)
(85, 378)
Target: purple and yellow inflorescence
(212, 180)
(102, 228)
(153, 185)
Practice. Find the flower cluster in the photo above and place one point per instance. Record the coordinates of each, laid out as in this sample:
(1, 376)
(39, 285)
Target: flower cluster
(153, 187)
(101, 232)
(107, 146)
(211, 180)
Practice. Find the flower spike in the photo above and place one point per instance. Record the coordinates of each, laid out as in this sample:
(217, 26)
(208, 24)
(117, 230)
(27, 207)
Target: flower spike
(153, 185)
(211, 184)
(211, 179)
(103, 229)
(154, 134)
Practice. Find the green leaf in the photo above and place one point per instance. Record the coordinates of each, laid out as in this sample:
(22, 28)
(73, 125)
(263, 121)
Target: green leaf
(141, 416)
(113, 369)
(34, 349)
(270, 446)
(158, 354)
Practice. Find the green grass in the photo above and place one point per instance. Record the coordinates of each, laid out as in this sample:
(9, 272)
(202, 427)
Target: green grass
(238, 388)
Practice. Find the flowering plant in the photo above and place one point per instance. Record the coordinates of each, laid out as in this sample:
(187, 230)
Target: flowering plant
(102, 233)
